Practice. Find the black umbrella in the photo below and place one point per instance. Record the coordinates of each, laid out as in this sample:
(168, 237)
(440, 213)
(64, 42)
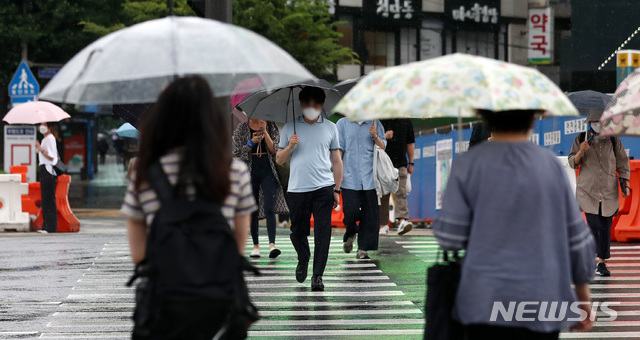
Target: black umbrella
(281, 104)
(346, 85)
(587, 101)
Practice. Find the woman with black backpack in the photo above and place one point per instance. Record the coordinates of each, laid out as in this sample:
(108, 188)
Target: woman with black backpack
(189, 206)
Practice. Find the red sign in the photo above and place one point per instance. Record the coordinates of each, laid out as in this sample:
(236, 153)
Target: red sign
(75, 153)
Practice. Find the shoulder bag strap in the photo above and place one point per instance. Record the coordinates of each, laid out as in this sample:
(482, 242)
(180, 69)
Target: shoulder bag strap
(160, 183)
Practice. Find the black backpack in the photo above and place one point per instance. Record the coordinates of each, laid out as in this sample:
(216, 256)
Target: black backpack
(192, 263)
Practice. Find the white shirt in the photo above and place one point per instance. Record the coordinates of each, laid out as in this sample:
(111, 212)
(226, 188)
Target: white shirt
(48, 144)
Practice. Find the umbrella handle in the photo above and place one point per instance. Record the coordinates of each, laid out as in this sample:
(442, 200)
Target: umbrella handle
(293, 109)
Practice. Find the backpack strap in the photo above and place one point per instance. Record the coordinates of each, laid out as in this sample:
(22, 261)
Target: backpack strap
(160, 183)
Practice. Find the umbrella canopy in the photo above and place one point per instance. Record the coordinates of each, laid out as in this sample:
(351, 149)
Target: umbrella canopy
(127, 130)
(281, 104)
(35, 113)
(346, 85)
(586, 101)
(622, 115)
(453, 86)
(134, 64)
(243, 89)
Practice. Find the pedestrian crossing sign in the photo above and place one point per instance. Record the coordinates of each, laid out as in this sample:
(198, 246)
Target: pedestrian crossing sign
(24, 83)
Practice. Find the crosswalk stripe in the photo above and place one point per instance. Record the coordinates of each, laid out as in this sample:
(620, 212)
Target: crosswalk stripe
(88, 335)
(614, 286)
(402, 321)
(358, 295)
(599, 335)
(256, 285)
(263, 313)
(88, 282)
(323, 333)
(618, 278)
(615, 295)
(262, 304)
(354, 294)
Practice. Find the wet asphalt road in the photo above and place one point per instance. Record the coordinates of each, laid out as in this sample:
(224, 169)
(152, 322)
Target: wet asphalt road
(71, 286)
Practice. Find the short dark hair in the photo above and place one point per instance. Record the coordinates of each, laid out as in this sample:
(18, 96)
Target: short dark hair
(508, 121)
(310, 93)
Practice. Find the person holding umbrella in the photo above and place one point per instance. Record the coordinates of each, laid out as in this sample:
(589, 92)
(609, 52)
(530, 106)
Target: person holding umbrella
(47, 159)
(255, 142)
(499, 179)
(42, 113)
(314, 148)
(357, 142)
(599, 158)
(507, 203)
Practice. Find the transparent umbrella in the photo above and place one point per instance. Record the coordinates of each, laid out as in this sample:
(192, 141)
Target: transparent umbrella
(134, 64)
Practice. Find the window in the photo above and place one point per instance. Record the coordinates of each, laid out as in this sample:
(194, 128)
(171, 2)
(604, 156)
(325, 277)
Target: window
(346, 29)
(379, 50)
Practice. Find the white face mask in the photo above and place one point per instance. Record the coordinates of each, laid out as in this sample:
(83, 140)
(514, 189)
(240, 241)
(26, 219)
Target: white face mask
(595, 127)
(311, 113)
(44, 129)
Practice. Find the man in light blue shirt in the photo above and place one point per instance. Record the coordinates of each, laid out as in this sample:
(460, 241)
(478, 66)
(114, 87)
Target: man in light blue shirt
(313, 146)
(357, 142)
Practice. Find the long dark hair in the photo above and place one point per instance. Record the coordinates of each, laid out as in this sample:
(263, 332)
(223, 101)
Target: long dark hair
(188, 118)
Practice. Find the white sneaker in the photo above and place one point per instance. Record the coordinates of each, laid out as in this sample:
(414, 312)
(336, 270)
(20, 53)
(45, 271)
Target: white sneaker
(405, 227)
(284, 224)
(384, 230)
(43, 232)
(255, 253)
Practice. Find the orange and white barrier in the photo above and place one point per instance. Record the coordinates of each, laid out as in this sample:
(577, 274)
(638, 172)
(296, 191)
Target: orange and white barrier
(12, 218)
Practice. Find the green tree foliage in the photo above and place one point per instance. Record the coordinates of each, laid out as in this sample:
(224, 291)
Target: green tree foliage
(135, 11)
(49, 28)
(304, 28)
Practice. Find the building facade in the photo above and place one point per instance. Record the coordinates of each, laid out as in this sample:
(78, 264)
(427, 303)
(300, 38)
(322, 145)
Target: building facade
(392, 32)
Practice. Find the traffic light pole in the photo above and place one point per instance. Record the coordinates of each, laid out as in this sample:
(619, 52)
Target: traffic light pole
(218, 10)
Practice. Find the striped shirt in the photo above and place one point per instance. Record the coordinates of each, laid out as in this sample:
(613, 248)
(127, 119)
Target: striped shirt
(144, 204)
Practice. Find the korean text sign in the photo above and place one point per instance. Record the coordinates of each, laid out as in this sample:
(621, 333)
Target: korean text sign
(540, 43)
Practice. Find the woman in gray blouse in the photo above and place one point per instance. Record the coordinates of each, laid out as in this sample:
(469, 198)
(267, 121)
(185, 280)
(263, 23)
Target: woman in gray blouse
(509, 205)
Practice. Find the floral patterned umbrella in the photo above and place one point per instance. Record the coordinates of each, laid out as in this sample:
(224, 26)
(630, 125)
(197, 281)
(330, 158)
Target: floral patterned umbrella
(622, 115)
(453, 86)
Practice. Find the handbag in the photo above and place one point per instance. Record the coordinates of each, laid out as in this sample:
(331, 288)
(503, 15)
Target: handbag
(443, 280)
(60, 168)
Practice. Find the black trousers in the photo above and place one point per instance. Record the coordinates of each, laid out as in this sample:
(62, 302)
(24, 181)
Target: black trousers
(601, 229)
(362, 206)
(262, 177)
(301, 206)
(48, 192)
(484, 332)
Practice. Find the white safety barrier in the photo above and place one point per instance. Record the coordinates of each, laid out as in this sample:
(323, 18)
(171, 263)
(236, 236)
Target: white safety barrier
(571, 172)
(11, 216)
